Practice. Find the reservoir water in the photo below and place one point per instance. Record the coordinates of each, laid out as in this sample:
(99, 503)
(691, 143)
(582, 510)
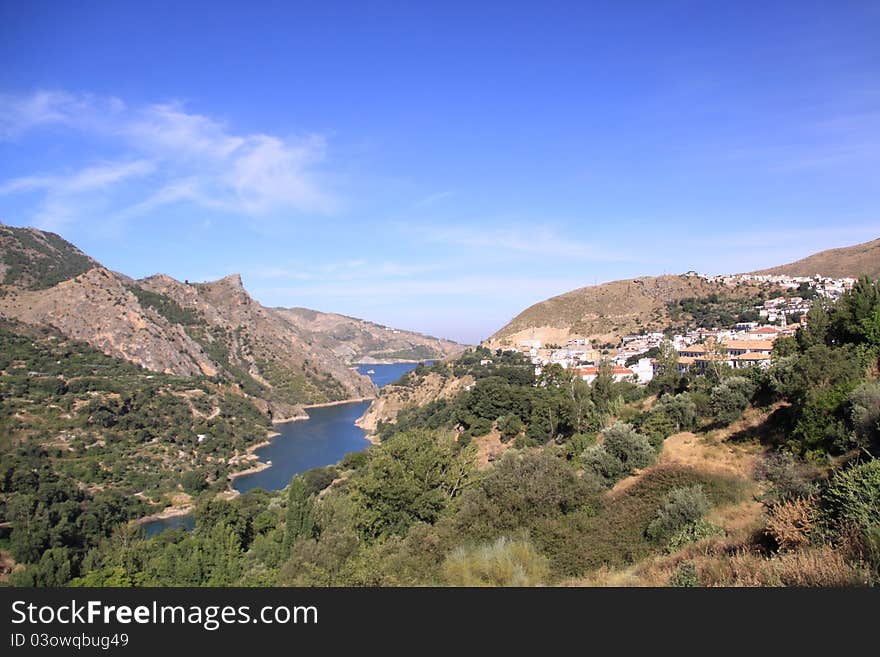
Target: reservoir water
(324, 439)
(327, 436)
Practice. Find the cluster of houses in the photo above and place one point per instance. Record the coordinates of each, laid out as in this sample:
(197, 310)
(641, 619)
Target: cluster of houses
(824, 286)
(747, 344)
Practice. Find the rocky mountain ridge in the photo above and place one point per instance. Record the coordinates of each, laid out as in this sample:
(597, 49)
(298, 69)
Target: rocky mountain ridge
(213, 329)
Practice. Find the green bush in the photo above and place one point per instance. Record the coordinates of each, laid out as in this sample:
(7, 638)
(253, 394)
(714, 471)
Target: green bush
(683, 507)
(852, 497)
(729, 399)
(685, 576)
(354, 461)
(632, 449)
(520, 490)
(409, 478)
(606, 467)
(865, 412)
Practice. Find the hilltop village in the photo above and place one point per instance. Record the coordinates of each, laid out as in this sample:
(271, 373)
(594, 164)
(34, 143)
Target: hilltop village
(744, 344)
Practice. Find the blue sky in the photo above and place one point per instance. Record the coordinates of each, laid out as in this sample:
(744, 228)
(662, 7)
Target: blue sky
(440, 166)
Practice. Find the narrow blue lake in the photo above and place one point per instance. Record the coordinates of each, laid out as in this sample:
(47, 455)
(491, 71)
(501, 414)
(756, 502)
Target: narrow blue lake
(324, 439)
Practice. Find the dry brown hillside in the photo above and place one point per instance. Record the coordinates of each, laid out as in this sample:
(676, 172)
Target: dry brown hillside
(606, 312)
(850, 261)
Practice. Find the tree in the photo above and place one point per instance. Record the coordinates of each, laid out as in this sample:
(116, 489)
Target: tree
(410, 478)
(729, 399)
(300, 515)
(681, 409)
(53, 570)
(855, 318)
(666, 374)
(865, 412)
(583, 407)
(603, 387)
(510, 427)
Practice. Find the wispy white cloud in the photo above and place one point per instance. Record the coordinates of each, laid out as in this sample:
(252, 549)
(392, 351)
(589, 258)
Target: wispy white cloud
(194, 159)
(84, 180)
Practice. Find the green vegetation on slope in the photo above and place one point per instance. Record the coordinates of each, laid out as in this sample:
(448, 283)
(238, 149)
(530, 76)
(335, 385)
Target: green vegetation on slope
(165, 306)
(39, 260)
(579, 493)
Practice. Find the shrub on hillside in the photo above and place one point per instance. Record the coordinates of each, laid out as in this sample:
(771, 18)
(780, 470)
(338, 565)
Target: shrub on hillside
(852, 497)
(730, 398)
(865, 412)
(683, 507)
(790, 477)
(681, 409)
(792, 523)
(597, 461)
(518, 491)
(658, 426)
(631, 448)
(685, 576)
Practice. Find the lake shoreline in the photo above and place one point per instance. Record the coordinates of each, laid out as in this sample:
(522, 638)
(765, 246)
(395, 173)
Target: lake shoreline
(387, 361)
(167, 514)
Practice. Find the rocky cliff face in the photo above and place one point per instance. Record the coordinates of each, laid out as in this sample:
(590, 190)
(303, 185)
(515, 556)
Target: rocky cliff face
(98, 307)
(395, 398)
(211, 329)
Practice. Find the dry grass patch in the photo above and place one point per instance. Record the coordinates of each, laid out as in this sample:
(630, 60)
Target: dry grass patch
(490, 448)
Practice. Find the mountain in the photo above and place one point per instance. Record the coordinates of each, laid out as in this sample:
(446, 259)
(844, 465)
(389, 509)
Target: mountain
(605, 312)
(36, 260)
(847, 262)
(360, 341)
(215, 329)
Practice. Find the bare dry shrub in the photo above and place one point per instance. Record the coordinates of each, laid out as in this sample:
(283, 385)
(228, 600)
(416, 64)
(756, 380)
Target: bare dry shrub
(822, 566)
(811, 567)
(792, 524)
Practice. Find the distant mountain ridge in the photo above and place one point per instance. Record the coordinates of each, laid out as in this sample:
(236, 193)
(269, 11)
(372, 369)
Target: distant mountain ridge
(360, 341)
(210, 329)
(846, 262)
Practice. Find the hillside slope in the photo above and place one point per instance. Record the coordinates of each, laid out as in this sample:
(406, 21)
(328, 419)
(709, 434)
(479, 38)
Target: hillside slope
(847, 262)
(606, 312)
